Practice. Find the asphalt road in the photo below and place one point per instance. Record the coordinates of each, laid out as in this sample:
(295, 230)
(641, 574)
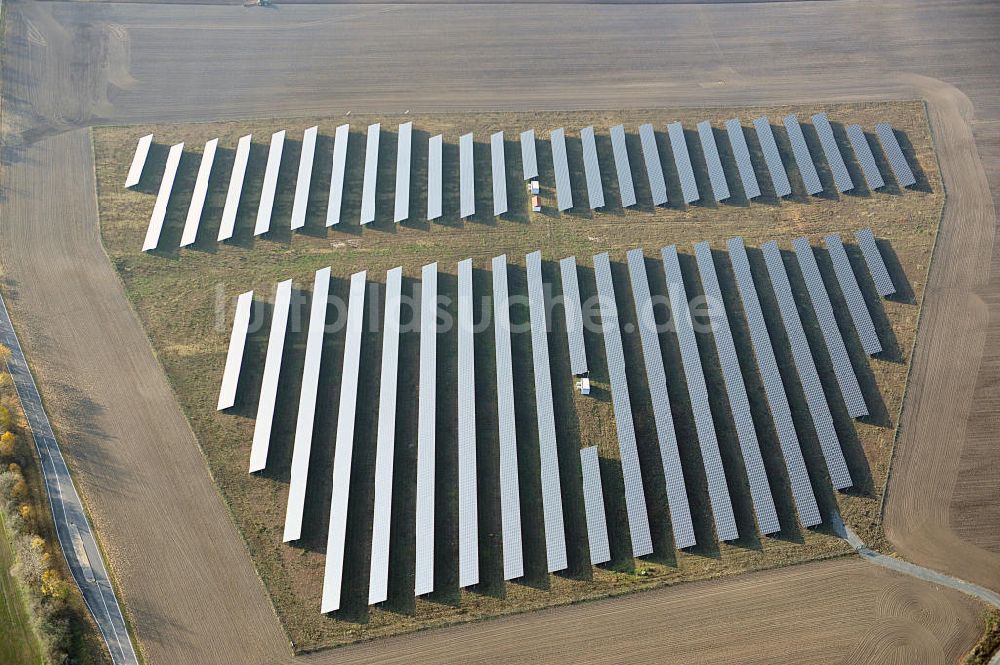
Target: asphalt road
(72, 526)
(69, 66)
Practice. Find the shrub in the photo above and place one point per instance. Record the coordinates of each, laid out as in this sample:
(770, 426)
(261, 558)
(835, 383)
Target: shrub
(8, 444)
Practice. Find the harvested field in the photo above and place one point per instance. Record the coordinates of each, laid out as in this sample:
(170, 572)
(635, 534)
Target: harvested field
(185, 301)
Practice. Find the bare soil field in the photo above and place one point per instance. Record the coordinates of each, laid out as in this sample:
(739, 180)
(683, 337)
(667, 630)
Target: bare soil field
(67, 66)
(178, 295)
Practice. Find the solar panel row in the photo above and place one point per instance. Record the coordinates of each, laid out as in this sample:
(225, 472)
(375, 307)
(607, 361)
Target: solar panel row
(564, 192)
(841, 178)
(138, 161)
(162, 198)
(468, 527)
(850, 391)
(552, 509)
(718, 491)
(856, 306)
(739, 402)
(819, 411)
(499, 174)
(654, 170)
(269, 385)
(593, 499)
(716, 174)
(234, 357)
(876, 266)
(270, 186)
(894, 153)
(235, 191)
(529, 159)
(306, 418)
(689, 186)
(772, 157)
(863, 151)
(434, 180)
(743, 162)
(343, 451)
(426, 424)
(803, 158)
(193, 221)
(340, 141)
(656, 379)
(774, 390)
(378, 580)
(635, 499)
(304, 179)
(401, 209)
(573, 309)
(622, 166)
(371, 174)
(510, 507)
(592, 168)
(466, 178)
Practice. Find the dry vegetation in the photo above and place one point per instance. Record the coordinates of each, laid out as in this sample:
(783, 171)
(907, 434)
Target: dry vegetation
(177, 295)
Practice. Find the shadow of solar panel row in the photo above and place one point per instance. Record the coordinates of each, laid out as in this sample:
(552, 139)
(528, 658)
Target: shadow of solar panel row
(875, 263)
(850, 391)
(819, 410)
(856, 306)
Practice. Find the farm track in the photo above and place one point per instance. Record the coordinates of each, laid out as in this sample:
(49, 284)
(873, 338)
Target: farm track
(186, 579)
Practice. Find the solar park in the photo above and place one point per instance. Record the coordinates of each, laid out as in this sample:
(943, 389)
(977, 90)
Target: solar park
(415, 463)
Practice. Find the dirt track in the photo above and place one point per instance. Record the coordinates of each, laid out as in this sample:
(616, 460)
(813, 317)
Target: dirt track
(137, 464)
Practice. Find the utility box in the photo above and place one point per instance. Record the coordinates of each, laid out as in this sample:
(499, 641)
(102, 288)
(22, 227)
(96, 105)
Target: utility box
(583, 385)
(534, 187)
(536, 204)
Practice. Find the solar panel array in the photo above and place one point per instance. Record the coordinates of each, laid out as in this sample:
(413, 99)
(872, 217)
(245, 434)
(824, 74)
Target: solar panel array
(499, 174)
(529, 159)
(739, 403)
(378, 580)
(307, 406)
(595, 190)
(510, 507)
(234, 357)
(741, 152)
(772, 157)
(574, 316)
(716, 174)
(593, 500)
(803, 158)
(468, 511)
(635, 500)
(190, 232)
(401, 209)
(426, 424)
(892, 150)
(774, 389)
(235, 191)
(863, 151)
(856, 306)
(343, 451)
(841, 178)
(718, 491)
(304, 179)
(466, 177)
(622, 166)
(340, 141)
(162, 198)
(270, 186)
(269, 384)
(138, 161)
(850, 391)
(371, 174)
(876, 266)
(689, 186)
(819, 411)
(434, 180)
(564, 191)
(552, 509)
(654, 170)
(656, 379)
